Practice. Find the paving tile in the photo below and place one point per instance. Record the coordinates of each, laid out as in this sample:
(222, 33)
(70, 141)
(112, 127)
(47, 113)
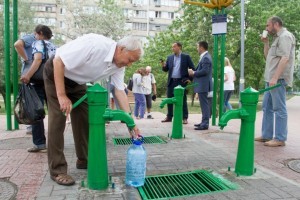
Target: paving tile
(213, 150)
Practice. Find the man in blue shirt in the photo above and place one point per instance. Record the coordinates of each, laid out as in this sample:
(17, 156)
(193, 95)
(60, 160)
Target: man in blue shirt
(177, 66)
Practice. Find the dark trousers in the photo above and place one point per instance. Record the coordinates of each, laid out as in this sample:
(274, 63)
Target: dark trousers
(170, 94)
(57, 122)
(38, 130)
(204, 104)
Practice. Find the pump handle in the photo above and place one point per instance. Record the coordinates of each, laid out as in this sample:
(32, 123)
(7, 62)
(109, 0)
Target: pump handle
(269, 88)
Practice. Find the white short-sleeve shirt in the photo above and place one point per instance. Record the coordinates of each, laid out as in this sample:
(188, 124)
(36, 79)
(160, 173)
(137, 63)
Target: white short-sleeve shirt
(229, 84)
(90, 58)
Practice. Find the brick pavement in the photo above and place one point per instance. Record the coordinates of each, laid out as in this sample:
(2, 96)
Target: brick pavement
(212, 149)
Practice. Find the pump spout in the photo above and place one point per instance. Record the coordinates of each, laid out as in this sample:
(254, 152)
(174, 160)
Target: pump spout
(119, 115)
(167, 101)
(232, 114)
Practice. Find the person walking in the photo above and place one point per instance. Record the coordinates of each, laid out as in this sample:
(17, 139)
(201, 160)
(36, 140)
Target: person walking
(280, 61)
(138, 90)
(229, 78)
(23, 47)
(40, 49)
(177, 66)
(86, 59)
(150, 90)
(202, 76)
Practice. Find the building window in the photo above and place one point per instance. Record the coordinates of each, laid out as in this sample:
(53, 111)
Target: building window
(170, 15)
(62, 11)
(139, 2)
(48, 9)
(157, 14)
(172, 3)
(157, 3)
(139, 26)
(62, 24)
(140, 14)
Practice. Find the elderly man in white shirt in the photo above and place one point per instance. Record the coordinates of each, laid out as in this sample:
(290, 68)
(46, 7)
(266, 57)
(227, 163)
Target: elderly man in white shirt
(150, 85)
(85, 59)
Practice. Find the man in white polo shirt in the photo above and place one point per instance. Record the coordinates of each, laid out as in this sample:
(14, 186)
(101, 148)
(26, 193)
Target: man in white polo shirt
(86, 59)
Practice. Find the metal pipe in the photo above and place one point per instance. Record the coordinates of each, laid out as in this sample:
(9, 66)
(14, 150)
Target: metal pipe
(242, 79)
(221, 106)
(215, 63)
(7, 64)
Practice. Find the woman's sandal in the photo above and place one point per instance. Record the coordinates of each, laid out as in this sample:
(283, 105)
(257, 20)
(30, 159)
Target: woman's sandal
(63, 179)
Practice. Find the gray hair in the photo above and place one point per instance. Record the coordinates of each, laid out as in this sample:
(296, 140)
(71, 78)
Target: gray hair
(275, 19)
(131, 44)
(148, 68)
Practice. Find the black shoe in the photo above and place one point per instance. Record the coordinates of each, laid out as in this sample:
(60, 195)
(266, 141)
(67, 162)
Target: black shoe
(166, 120)
(197, 125)
(150, 117)
(201, 128)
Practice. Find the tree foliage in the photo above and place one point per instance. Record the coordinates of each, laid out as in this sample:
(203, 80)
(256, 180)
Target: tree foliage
(26, 26)
(195, 25)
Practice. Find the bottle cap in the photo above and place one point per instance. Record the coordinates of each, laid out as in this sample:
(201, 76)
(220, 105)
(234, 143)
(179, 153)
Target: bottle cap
(138, 141)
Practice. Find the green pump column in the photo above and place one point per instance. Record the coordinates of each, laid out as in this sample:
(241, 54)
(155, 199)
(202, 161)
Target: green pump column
(177, 119)
(177, 100)
(245, 156)
(97, 177)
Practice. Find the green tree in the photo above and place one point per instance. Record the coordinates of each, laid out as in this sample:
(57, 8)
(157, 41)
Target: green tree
(26, 25)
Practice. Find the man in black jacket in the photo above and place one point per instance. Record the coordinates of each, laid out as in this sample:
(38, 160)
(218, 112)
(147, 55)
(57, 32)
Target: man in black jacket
(177, 66)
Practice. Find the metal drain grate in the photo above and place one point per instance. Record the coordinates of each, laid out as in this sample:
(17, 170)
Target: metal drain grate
(147, 140)
(183, 185)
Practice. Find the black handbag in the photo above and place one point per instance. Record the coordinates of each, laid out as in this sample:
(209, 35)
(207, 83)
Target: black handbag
(38, 75)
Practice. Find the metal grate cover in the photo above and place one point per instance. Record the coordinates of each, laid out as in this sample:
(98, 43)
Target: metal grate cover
(147, 140)
(183, 185)
(294, 165)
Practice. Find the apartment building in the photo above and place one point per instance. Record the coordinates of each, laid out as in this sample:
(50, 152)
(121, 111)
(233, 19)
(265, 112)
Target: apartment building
(143, 17)
(147, 17)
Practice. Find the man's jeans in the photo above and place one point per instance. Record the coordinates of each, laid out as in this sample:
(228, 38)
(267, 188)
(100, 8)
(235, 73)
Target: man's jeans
(274, 103)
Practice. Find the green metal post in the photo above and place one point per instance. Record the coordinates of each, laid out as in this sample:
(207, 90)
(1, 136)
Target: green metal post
(247, 113)
(221, 106)
(177, 100)
(7, 64)
(215, 63)
(245, 156)
(97, 176)
(222, 57)
(15, 56)
(178, 113)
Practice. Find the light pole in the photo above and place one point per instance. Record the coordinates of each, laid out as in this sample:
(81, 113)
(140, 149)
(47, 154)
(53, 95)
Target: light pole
(242, 79)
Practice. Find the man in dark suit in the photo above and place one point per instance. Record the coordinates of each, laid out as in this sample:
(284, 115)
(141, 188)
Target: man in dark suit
(177, 66)
(203, 77)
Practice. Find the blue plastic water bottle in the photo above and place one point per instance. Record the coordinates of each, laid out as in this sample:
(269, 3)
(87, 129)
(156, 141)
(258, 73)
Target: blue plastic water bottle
(136, 164)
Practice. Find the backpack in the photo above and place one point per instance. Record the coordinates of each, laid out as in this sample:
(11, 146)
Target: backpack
(38, 75)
